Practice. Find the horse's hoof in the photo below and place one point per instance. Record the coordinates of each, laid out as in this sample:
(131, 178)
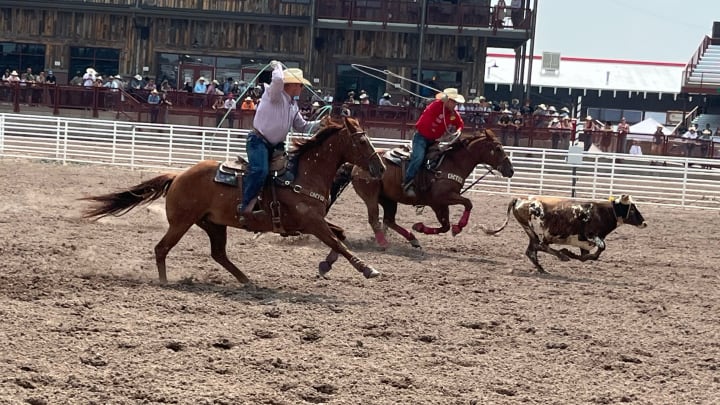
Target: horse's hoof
(323, 268)
(369, 272)
(418, 227)
(456, 230)
(416, 244)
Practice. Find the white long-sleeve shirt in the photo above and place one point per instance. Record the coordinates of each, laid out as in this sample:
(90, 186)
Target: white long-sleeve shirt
(277, 112)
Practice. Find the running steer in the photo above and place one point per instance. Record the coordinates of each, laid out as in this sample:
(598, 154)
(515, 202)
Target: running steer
(583, 224)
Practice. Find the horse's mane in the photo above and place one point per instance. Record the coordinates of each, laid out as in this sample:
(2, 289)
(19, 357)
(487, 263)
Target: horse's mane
(300, 145)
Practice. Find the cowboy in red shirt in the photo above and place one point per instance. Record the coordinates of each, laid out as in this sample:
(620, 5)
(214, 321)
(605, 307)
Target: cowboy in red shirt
(439, 118)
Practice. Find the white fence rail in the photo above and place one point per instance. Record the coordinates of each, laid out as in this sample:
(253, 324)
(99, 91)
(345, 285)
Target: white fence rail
(657, 180)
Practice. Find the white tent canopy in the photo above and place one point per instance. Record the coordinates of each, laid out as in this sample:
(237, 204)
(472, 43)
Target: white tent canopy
(643, 130)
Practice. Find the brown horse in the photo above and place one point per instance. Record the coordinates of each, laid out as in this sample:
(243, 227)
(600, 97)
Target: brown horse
(437, 189)
(193, 197)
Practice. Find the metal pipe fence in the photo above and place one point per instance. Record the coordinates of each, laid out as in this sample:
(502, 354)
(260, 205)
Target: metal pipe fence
(659, 180)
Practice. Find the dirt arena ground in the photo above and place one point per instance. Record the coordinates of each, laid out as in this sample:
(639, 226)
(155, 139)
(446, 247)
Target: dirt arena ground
(83, 319)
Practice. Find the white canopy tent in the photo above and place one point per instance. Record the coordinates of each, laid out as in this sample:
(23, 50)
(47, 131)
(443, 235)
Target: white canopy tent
(643, 131)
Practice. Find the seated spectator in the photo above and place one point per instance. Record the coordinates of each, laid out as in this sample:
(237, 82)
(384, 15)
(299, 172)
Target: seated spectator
(6, 75)
(14, 77)
(635, 149)
(228, 109)
(51, 79)
(364, 99)
(88, 79)
(689, 138)
(248, 104)
(385, 100)
(77, 80)
(150, 85)
(345, 110)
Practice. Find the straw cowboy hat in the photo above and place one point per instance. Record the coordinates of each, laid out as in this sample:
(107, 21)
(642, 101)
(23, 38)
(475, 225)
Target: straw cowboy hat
(451, 94)
(294, 75)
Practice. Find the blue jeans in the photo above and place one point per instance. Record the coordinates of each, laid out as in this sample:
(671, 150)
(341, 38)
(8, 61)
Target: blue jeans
(258, 153)
(419, 146)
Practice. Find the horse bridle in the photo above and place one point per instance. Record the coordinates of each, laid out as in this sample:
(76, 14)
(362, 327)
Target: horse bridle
(362, 135)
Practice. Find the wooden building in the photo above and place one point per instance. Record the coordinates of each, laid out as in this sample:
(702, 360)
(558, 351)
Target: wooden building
(180, 40)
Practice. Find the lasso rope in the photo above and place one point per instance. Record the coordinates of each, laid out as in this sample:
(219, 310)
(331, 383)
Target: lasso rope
(325, 110)
(367, 69)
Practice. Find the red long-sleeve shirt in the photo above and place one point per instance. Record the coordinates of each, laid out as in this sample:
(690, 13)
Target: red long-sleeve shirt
(436, 120)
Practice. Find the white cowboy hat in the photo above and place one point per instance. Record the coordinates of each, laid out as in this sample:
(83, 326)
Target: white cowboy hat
(588, 118)
(91, 71)
(451, 94)
(14, 73)
(316, 104)
(387, 95)
(542, 107)
(294, 75)
(137, 77)
(202, 78)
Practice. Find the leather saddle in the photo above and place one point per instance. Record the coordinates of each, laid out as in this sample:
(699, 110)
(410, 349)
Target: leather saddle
(281, 169)
(401, 154)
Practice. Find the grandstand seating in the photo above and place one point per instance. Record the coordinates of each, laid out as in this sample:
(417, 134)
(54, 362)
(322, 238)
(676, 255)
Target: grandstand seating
(707, 71)
(702, 73)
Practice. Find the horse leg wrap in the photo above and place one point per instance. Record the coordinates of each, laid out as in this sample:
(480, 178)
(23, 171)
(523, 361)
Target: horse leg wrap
(380, 238)
(420, 227)
(456, 229)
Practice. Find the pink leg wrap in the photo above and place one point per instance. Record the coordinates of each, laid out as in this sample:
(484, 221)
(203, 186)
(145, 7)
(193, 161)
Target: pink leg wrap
(380, 238)
(420, 227)
(464, 219)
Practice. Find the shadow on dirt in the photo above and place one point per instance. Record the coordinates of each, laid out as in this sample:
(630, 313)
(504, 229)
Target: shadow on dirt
(567, 279)
(234, 291)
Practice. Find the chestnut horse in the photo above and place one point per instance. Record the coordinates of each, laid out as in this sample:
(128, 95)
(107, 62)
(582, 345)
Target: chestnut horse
(193, 197)
(437, 189)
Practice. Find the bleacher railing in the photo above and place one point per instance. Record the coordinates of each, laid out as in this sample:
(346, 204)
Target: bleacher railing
(659, 180)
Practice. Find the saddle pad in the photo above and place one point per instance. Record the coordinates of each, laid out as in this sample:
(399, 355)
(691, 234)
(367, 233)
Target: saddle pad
(225, 178)
(229, 171)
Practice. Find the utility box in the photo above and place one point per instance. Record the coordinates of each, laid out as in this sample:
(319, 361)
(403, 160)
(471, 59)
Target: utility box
(575, 155)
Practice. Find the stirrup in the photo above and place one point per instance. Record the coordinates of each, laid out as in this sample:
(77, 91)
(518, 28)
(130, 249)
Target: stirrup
(409, 189)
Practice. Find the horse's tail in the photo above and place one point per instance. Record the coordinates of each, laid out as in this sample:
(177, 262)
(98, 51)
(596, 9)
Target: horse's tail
(121, 202)
(343, 177)
(507, 218)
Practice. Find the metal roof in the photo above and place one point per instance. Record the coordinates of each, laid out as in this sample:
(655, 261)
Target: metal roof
(596, 74)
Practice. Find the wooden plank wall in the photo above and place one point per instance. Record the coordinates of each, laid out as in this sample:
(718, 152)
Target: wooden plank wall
(60, 30)
(275, 7)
